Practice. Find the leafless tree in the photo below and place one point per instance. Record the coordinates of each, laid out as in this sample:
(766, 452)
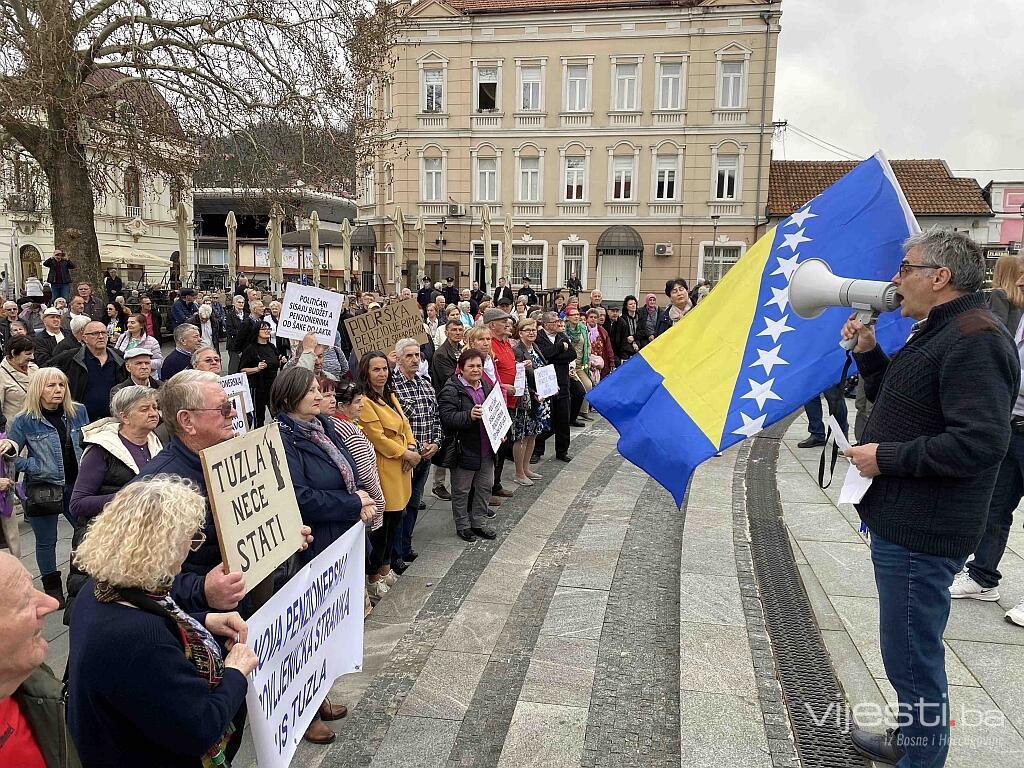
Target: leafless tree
(91, 87)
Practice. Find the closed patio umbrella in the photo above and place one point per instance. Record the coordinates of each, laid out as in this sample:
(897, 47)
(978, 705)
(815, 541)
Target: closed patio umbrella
(485, 231)
(274, 244)
(231, 224)
(314, 245)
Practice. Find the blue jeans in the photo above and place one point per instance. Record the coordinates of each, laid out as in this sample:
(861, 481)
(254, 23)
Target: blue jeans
(403, 536)
(913, 607)
(44, 527)
(815, 422)
(60, 289)
(1009, 489)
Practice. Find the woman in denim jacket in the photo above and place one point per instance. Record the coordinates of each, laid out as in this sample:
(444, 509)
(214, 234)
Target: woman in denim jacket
(49, 428)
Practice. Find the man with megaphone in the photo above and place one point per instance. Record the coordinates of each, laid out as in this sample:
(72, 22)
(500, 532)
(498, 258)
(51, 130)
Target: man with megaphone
(933, 444)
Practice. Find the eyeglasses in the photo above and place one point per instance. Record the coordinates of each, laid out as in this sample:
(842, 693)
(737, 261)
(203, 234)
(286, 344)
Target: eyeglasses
(906, 266)
(225, 409)
(198, 539)
(95, 334)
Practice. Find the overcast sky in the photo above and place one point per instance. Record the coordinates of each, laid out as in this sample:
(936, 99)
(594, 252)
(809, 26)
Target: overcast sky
(917, 78)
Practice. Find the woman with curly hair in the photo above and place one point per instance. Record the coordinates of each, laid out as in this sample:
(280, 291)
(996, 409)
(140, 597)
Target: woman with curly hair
(148, 682)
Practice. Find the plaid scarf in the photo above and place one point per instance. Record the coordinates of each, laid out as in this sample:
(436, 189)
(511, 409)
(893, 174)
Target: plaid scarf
(314, 432)
(201, 649)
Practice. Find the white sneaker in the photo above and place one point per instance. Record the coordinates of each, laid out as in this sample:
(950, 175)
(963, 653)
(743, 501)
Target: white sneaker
(1016, 614)
(377, 589)
(391, 579)
(524, 481)
(534, 475)
(964, 586)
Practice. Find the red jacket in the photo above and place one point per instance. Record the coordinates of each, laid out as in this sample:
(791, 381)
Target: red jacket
(607, 353)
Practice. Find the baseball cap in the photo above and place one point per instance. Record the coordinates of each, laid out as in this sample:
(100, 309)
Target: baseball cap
(137, 352)
(492, 314)
(50, 311)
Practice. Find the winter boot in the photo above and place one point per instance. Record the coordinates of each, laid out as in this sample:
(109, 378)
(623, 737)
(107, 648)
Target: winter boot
(54, 587)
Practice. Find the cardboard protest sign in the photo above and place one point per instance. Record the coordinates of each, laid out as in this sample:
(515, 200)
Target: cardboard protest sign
(520, 380)
(306, 308)
(306, 636)
(239, 424)
(496, 420)
(380, 329)
(546, 380)
(236, 383)
(253, 502)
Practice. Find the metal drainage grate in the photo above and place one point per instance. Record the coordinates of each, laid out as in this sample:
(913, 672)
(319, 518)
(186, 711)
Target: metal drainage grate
(809, 685)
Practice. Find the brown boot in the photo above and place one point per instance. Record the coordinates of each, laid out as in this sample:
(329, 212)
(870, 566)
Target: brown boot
(319, 732)
(329, 711)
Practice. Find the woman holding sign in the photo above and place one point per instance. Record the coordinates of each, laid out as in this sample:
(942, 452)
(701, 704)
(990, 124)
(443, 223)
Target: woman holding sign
(388, 429)
(149, 681)
(259, 362)
(532, 415)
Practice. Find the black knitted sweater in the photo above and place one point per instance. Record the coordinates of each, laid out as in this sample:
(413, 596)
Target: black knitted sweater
(941, 418)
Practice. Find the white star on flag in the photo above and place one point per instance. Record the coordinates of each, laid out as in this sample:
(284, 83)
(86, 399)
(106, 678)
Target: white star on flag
(800, 217)
(775, 328)
(794, 239)
(780, 297)
(750, 426)
(787, 266)
(768, 359)
(760, 392)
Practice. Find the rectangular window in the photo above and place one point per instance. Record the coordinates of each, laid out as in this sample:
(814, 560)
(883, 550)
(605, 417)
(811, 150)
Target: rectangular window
(368, 103)
(622, 178)
(528, 261)
(670, 86)
(529, 179)
(487, 179)
(433, 179)
(625, 86)
(369, 196)
(531, 82)
(575, 171)
(389, 182)
(572, 260)
(719, 260)
(577, 88)
(486, 89)
(665, 181)
(433, 97)
(727, 168)
(732, 85)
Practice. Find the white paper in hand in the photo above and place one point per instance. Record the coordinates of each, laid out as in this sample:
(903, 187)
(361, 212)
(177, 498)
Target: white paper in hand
(855, 485)
(547, 381)
(520, 381)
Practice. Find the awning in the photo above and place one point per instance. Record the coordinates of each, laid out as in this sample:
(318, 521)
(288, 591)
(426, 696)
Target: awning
(124, 253)
(363, 236)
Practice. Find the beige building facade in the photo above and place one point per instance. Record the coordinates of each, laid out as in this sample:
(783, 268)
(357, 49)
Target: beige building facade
(629, 142)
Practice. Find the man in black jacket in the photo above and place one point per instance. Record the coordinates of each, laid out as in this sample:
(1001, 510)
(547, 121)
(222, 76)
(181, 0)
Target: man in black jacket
(502, 292)
(93, 370)
(424, 295)
(933, 452)
(527, 291)
(450, 292)
(47, 339)
(556, 348)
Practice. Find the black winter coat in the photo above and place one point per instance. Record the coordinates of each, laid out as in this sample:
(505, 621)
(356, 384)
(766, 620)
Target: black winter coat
(559, 354)
(453, 406)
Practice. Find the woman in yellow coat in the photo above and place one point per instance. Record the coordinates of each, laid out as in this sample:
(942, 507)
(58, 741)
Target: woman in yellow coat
(388, 429)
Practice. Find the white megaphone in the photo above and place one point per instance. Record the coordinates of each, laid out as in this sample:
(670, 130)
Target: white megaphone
(813, 289)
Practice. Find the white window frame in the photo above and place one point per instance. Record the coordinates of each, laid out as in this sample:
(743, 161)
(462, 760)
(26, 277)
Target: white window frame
(528, 179)
(634, 158)
(368, 105)
(734, 53)
(665, 162)
(519, 174)
(479, 194)
(585, 264)
(567, 63)
(543, 258)
(721, 191)
(369, 186)
(661, 60)
(520, 65)
(637, 102)
(423, 173)
(430, 62)
(479, 64)
(708, 248)
(582, 181)
(389, 182)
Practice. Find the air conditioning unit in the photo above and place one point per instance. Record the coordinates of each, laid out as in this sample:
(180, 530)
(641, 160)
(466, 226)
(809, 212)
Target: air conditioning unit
(663, 249)
(455, 210)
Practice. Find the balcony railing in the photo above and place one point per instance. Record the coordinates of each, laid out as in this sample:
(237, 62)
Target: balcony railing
(133, 211)
(717, 208)
(669, 117)
(624, 118)
(619, 208)
(573, 209)
(730, 116)
(576, 119)
(433, 120)
(477, 210)
(664, 209)
(528, 209)
(530, 119)
(433, 209)
(489, 120)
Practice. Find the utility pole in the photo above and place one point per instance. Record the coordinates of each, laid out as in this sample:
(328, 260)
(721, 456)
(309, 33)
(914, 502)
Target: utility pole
(440, 242)
(714, 247)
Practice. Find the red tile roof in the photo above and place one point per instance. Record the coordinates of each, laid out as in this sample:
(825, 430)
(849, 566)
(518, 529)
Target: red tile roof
(516, 6)
(929, 186)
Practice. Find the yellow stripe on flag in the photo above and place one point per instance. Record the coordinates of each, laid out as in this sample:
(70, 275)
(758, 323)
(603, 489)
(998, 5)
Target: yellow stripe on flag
(700, 357)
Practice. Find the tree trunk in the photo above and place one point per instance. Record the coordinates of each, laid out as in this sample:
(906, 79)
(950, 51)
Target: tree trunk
(73, 210)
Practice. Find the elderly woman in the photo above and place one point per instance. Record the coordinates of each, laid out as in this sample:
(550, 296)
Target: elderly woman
(49, 429)
(678, 293)
(532, 415)
(467, 452)
(210, 330)
(15, 370)
(149, 684)
(479, 338)
(452, 313)
(465, 315)
(136, 336)
(260, 363)
(326, 483)
(389, 431)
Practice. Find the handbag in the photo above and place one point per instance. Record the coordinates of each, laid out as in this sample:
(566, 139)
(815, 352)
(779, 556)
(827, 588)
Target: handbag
(44, 499)
(450, 453)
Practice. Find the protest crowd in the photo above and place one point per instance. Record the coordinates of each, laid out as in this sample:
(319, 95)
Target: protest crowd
(96, 397)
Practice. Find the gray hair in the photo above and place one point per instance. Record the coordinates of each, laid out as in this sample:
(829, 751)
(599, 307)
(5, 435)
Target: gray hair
(184, 392)
(181, 330)
(401, 344)
(125, 399)
(202, 348)
(548, 317)
(465, 306)
(77, 324)
(956, 252)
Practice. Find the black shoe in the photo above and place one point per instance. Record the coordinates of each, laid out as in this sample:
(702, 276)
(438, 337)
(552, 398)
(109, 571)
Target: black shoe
(491, 512)
(411, 555)
(586, 417)
(466, 535)
(484, 533)
(54, 587)
(563, 457)
(811, 442)
(399, 566)
(577, 423)
(535, 459)
(880, 747)
(422, 506)
(440, 492)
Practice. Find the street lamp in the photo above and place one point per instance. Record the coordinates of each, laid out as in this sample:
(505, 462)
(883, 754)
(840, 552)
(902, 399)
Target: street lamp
(714, 247)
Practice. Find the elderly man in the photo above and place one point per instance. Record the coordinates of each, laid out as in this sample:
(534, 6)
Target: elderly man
(183, 307)
(74, 337)
(249, 328)
(186, 341)
(76, 308)
(206, 358)
(933, 455)
(442, 366)
(138, 362)
(418, 400)
(93, 370)
(32, 727)
(596, 299)
(556, 348)
(505, 366)
(91, 306)
(49, 337)
(9, 315)
(233, 320)
(210, 329)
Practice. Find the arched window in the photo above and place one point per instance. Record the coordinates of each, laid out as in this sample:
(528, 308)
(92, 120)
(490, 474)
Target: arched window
(132, 193)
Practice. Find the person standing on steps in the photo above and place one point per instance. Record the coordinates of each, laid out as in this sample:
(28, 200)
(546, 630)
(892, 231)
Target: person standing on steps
(59, 276)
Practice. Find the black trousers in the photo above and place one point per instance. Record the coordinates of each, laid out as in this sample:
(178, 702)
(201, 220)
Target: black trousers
(576, 395)
(560, 409)
(499, 464)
